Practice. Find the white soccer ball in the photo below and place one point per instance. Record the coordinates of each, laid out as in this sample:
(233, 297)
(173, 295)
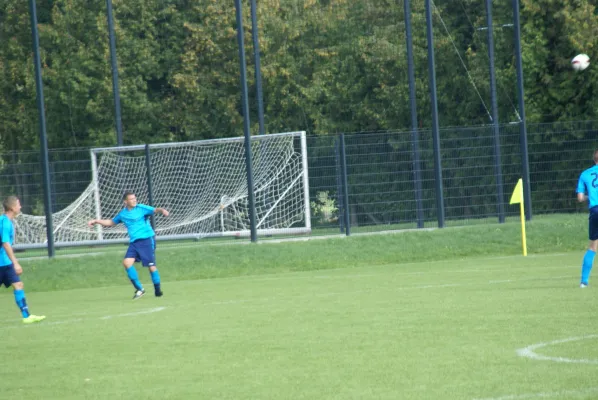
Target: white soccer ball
(580, 62)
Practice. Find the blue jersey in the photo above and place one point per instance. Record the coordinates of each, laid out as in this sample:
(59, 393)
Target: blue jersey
(588, 184)
(137, 221)
(7, 235)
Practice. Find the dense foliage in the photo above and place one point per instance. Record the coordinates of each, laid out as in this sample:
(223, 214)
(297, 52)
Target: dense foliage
(328, 66)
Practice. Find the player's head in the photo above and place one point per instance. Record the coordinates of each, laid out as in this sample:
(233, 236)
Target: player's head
(596, 156)
(12, 204)
(130, 199)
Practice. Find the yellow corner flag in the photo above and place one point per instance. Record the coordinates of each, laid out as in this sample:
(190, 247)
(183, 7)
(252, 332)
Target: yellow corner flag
(517, 197)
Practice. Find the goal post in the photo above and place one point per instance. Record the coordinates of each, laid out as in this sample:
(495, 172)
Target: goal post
(96, 192)
(202, 183)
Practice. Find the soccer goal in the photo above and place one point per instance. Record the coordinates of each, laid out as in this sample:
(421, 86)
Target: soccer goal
(202, 183)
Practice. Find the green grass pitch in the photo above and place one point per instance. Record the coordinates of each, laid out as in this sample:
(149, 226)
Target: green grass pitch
(452, 323)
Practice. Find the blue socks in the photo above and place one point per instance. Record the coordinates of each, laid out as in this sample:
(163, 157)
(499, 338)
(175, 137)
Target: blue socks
(21, 302)
(156, 280)
(588, 261)
(132, 273)
(155, 275)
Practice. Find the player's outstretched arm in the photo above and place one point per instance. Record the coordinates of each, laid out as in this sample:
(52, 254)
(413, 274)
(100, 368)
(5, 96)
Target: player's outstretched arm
(103, 222)
(162, 211)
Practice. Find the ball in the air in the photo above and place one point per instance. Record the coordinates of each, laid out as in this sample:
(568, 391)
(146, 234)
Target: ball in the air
(580, 62)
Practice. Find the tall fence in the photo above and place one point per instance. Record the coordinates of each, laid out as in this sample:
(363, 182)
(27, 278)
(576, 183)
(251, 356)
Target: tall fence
(381, 182)
(380, 175)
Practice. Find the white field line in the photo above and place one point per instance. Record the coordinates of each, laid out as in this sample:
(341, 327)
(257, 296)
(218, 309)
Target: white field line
(421, 273)
(562, 394)
(309, 295)
(132, 314)
(394, 289)
(529, 351)
(70, 321)
(342, 274)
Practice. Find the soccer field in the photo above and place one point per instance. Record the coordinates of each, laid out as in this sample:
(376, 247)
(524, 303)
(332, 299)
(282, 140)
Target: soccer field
(480, 328)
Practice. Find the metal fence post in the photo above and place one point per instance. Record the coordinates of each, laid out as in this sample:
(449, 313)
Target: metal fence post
(42, 129)
(435, 124)
(345, 186)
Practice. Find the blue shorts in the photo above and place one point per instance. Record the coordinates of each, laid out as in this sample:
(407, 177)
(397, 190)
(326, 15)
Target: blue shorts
(143, 250)
(593, 224)
(8, 275)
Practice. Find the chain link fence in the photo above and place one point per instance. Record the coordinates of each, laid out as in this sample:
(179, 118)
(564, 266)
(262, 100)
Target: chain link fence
(381, 183)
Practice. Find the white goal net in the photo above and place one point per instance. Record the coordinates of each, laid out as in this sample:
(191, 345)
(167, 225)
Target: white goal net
(203, 184)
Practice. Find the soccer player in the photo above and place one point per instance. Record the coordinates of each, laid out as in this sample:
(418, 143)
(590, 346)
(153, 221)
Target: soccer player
(10, 269)
(136, 218)
(587, 189)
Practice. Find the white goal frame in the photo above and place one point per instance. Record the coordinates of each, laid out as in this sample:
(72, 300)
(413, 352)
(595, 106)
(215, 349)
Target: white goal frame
(303, 180)
(281, 188)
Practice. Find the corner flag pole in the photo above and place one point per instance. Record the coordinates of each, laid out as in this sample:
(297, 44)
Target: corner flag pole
(517, 197)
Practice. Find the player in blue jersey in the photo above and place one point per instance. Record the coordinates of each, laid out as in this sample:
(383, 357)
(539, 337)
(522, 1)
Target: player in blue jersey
(587, 189)
(136, 218)
(10, 269)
